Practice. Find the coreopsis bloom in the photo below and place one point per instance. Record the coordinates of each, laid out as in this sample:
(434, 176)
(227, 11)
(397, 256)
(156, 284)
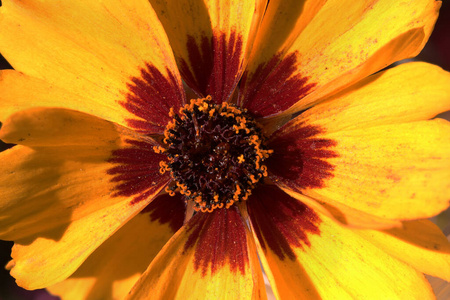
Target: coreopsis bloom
(166, 148)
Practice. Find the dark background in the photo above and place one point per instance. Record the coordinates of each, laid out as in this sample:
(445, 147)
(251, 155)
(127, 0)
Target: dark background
(437, 52)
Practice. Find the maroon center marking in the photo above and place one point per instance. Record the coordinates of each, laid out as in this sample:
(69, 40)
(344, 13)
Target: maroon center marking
(217, 238)
(150, 98)
(167, 209)
(274, 87)
(299, 159)
(214, 65)
(137, 173)
(201, 61)
(281, 222)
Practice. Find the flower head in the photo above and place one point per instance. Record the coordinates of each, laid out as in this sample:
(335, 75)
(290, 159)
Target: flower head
(164, 148)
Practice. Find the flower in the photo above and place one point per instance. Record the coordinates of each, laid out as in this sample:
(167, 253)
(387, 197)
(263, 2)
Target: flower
(164, 146)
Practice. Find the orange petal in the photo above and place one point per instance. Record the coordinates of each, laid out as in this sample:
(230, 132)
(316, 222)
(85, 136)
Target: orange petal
(309, 256)
(112, 270)
(98, 51)
(380, 170)
(212, 257)
(343, 43)
(420, 244)
(211, 40)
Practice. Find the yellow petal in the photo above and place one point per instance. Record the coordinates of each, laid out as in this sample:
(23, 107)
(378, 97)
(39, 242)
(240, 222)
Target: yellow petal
(95, 50)
(69, 190)
(409, 92)
(50, 257)
(212, 257)
(112, 270)
(41, 190)
(211, 40)
(71, 170)
(20, 92)
(80, 160)
(420, 244)
(396, 171)
(342, 44)
(344, 214)
(311, 257)
(48, 127)
(64, 177)
(283, 21)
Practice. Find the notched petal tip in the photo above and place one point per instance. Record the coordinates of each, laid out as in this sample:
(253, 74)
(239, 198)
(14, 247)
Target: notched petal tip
(10, 265)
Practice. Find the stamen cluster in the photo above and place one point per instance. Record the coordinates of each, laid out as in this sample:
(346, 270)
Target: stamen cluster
(215, 154)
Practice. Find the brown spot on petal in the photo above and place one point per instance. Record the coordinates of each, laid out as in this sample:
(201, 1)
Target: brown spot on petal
(281, 222)
(299, 158)
(150, 97)
(392, 176)
(274, 87)
(218, 238)
(136, 171)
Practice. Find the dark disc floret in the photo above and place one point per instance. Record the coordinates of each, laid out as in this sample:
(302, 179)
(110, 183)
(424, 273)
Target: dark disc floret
(215, 154)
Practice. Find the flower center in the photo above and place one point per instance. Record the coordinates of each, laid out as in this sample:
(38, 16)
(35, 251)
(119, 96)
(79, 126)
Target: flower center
(215, 154)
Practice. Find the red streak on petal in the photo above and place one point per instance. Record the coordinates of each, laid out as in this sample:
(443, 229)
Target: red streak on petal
(281, 222)
(137, 173)
(227, 63)
(299, 159)
(167, 209)
(274, 87)
(214, 65)
(201, 59)
(150, 98)
(218, 238)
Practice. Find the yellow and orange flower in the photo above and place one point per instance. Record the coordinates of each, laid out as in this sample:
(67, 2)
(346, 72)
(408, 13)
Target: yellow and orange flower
(164, 148)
